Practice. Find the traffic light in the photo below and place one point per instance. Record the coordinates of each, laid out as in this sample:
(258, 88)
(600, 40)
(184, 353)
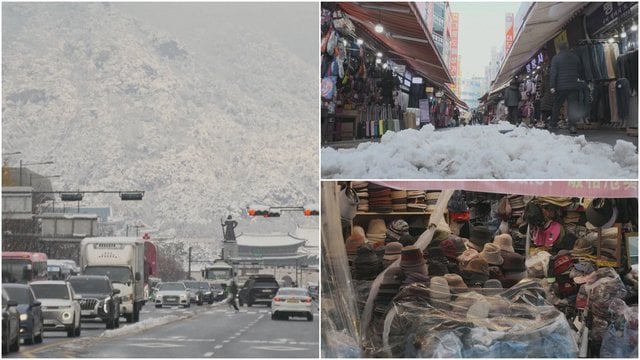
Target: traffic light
(126, 196)
(311, 210)
(71, 196)
(258, 210)
(273, 213)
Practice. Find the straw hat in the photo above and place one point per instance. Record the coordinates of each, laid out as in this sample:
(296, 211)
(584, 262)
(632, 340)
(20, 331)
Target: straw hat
(376, 226)
(491, 254)
(353, 243)
(455, 281)
(582, 247)
(439, 288)
(477, 265)
(467, 255)
(504, 242)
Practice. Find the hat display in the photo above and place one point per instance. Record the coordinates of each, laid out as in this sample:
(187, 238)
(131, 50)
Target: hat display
(358, 185)
(504, 242)
(437, 268)
(517, 205)
(367, 264)
(455, 281)
(392, 251)
(407, 240)
(474, 279)
(457, 203)
(377, 230)
(449, 248)
(582, 247)
(601, 212)
(432, 200)
(513, 262)
(467, 255)
(415, 277)
(397, 228)
(353, 242)
(460, 216)
(412, 260)
(493, 284)
(479, 309)
(479, 236)
(439, 288)
(477, 265)
(491, 254)
(357, 230)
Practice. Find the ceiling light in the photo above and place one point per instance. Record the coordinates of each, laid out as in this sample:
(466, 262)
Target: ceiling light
(385, 65)
(634, 27)
(379, 54)
(378, 61)
(359, 42)
(610, 40)
(615, 35)
(379, 28)
(344, 42)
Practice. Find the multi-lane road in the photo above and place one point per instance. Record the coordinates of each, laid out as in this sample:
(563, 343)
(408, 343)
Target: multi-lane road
(213, 331)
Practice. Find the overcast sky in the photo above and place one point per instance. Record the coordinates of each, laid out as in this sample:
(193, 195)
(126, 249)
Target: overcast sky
(294, 25)
(482, 25)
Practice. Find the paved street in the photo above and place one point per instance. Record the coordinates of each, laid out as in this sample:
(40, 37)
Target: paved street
(201, 331)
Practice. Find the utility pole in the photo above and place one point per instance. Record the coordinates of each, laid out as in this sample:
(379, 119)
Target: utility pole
(189, 274)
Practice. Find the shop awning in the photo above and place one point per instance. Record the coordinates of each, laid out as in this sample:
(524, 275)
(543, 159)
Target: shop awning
(484, 97)
(405, 34)
(543, 21)
(592, 189)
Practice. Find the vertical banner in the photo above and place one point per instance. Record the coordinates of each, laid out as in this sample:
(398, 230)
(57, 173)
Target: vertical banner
(560, 39)
(453, 58)
(508, 32)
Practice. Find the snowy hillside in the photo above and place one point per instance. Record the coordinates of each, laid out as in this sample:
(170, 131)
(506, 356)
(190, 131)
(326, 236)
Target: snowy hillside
(119, 106)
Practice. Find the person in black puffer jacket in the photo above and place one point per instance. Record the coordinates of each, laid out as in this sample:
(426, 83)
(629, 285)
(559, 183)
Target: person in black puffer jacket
(512, 100)
(566, 72)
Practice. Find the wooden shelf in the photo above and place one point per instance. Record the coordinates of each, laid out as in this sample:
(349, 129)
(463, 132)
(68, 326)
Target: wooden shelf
(394, 213)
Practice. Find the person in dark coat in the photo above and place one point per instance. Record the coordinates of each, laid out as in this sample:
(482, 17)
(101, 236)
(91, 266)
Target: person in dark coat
(512, 100)
(232, 290)
(456, 116)
(566, 72)
(546, 102)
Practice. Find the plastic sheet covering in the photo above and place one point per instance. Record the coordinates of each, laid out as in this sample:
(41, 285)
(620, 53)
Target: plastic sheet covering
(621, 338)
(340, 320)
(476, 323)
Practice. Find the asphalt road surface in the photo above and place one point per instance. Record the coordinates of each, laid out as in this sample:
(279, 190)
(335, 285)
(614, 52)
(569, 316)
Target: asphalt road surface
(214, 331)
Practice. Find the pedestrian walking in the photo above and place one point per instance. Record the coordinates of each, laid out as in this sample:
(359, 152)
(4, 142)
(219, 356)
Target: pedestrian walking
(566, 72)
(232, 291)
(512, 100)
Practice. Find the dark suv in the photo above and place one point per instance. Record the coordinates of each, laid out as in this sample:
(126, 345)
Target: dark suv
(258, 289)
(99, 298)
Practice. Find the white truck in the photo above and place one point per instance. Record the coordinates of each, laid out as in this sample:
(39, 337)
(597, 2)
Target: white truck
(122, 260)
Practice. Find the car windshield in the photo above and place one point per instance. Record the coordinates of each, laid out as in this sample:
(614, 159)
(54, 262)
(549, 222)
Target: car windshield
(51, 291)
(19, 295)
(118, 274)
(171, 286)
(13, 270)
(216, 287)
(295, 292)
(203, 285)
(265, 283)
(87, 286)
(191, 285)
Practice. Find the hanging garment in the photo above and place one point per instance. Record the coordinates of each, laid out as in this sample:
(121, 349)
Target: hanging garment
(627, 65)
(600, 60)
(623, 93)
(613, 102)
(583, 53)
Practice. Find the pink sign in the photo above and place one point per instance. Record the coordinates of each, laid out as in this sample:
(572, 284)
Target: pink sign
(579, 188)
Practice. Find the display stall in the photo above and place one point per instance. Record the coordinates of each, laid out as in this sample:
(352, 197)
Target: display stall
(479, 269)
(373, 82)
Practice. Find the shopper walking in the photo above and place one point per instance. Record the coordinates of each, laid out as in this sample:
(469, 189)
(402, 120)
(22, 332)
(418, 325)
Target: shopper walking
(232, 291)
(512, 100)
(566, 72)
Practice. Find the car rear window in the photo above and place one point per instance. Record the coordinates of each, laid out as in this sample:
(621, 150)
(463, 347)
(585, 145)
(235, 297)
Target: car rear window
(265, 284)
(298, 292)
(51, 291)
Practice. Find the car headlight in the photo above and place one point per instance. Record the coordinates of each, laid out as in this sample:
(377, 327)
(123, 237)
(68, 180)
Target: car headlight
(208, 293)
(66, 315)
(24, 317)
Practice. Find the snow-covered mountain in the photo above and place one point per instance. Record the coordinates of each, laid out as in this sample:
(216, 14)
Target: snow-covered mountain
(121, 106)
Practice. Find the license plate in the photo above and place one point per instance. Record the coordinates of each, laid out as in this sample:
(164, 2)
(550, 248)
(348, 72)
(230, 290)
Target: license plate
(266, 291)
(291, 301)
(172, 299)
(86, 312)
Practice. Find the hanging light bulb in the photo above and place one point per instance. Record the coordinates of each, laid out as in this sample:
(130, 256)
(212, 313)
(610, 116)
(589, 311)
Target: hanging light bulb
(378, 61)
(634, 27)
(385, 65)
(344, 41)
(610, 40)
(359, 41)
(378, 26)
(379, 54)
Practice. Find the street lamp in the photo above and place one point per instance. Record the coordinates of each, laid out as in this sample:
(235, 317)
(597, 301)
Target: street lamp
(42, 177)
(37, 163)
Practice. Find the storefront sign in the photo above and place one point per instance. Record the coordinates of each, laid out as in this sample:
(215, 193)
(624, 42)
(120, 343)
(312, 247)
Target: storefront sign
(592, 189)
(428, 90)
(509, 32)
(535, 62)
(439, 93)
(606, 13)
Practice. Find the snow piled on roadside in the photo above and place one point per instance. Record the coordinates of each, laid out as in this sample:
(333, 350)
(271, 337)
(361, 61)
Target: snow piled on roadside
(145, 325)
(500, 151)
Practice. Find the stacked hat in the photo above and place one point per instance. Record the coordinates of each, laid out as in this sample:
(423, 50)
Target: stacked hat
(379, 199)
(572, 217)
(438, 263)
(602, 213)
(367, 264)
(399, 200)
(608, 244)
(363, 194)
(354, 241)
(432, 200)
(504, 242)
(517, 205)
(389, 288)
(492, 284)
(417, 226)
(407, 240)
(376, 231)
(479, 236)
(457, 203)
(416, 200)
(439, 289)
(453, 246)
(467, 256)
(479, 309)
(491, 254)
(397, 228)
(392, 253)
(582, 247)
(513, 268)
(412, 261)
(455, 281)
(476, 272)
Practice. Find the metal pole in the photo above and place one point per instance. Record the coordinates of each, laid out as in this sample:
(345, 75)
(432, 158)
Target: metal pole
(20, 172)
(189, 275)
